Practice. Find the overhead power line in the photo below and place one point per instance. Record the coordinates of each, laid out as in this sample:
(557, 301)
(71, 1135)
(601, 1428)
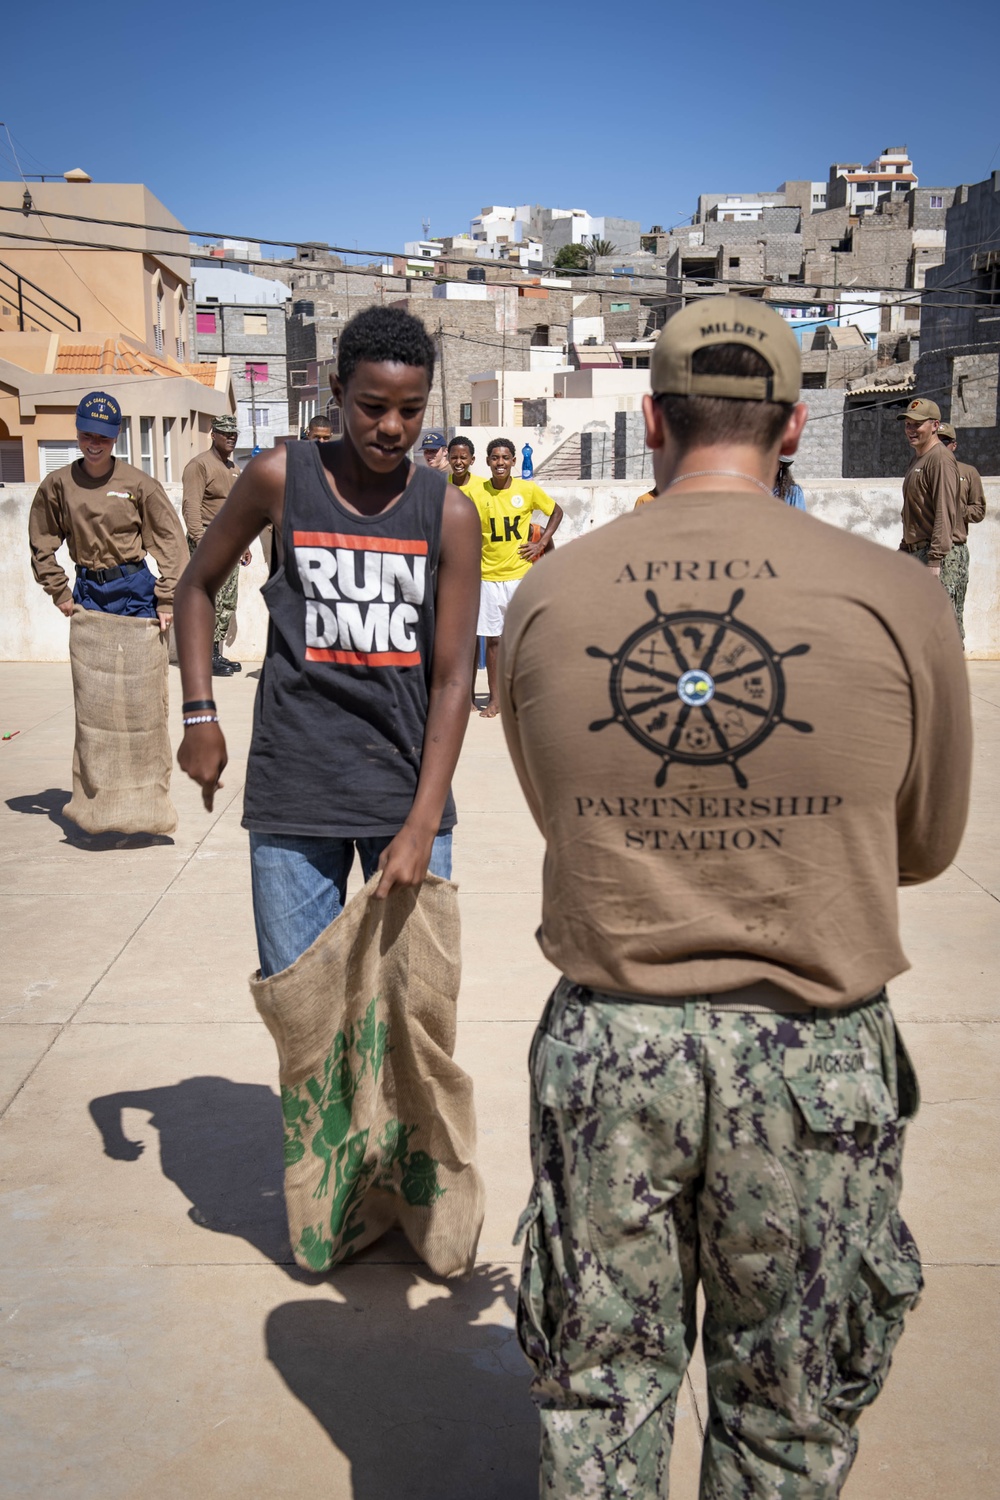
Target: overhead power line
(569, 273)
(902, 295)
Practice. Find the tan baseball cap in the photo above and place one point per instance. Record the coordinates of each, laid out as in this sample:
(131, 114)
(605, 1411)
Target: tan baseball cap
(920, 411)
(727, 320)
(946, 430)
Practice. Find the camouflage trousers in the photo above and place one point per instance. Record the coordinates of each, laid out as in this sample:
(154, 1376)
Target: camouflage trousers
(756, 1153)
(954, 577)
(225, 601)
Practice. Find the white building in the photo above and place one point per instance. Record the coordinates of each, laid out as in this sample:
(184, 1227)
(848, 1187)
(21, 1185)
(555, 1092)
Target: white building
(533, 235)
(736, 208)
(233, 285)
(861, 189)
(497, 225)
(503, 233)
(423, 249)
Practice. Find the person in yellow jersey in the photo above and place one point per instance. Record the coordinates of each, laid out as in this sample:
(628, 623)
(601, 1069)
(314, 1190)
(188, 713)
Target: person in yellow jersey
(461, 457)
(645, 499)
(505, 508)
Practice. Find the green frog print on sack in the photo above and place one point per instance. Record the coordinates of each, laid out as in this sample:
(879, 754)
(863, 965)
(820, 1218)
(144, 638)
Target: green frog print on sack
(317, 1118)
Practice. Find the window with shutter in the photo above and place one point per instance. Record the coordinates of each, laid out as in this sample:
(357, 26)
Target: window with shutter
(11, 461)
(53, 456)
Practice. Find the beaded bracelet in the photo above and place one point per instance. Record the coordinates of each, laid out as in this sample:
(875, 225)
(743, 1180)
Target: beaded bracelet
(201, 719)
(196, 704)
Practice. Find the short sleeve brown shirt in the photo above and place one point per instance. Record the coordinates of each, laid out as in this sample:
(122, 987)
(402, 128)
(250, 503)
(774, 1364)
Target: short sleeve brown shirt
(757, 726)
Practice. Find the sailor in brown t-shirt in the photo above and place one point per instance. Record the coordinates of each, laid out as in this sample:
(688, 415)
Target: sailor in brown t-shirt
(110, 516)
(931, 504)
(207, 480)
(759, 728)
(972, 508)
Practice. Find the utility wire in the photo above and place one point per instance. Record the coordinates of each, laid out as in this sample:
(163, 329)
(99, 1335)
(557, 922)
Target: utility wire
(569, 273)
(904, 295)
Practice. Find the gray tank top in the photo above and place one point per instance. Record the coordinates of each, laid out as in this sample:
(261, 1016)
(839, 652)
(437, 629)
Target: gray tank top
(341, 706)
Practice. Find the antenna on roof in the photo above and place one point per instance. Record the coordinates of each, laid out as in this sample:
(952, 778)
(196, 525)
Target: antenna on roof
(426, 226)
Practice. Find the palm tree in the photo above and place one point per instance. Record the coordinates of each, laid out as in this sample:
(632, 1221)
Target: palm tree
(597, 249)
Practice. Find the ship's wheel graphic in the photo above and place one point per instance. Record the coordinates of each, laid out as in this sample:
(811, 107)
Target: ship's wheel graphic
(698, 687)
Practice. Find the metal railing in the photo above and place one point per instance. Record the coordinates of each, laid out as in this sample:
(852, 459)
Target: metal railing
(28, 306)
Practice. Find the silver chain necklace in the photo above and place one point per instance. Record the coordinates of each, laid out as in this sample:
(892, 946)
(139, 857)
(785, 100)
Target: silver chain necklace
(729, 473)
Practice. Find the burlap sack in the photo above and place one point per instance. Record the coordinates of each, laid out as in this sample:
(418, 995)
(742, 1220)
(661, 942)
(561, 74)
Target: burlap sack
(121, 758)
(379, 1121)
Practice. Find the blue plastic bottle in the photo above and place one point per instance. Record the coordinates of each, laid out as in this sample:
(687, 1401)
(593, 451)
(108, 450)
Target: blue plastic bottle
(527, 467)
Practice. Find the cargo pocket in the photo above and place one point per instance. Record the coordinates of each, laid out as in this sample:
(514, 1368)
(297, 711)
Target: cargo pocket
(838, 1088)
(563, 1074)
(537, 1316)
(888, 1286)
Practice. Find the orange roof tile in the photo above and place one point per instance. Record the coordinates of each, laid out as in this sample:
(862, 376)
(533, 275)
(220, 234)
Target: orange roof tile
(123, 357)
(82, 359)
(204, 373)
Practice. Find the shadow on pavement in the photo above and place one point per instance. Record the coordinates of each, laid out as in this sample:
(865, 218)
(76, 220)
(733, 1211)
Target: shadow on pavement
(52, 804)
(221, 1143)
(427, 1402)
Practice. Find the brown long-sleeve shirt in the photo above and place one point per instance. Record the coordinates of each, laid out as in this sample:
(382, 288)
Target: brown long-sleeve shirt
(104, 522)
(757, 728)
(931, 505)
(207, 480)
(973, 500)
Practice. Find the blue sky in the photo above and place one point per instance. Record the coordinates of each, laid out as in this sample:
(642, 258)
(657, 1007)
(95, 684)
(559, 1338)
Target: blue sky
(352, 124)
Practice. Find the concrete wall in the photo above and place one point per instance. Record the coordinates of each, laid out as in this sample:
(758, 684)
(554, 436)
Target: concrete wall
(965, 382)
(950, 320)
(32, 629)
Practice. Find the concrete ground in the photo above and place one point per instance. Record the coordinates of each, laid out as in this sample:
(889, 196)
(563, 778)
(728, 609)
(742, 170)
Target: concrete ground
(159, 1340)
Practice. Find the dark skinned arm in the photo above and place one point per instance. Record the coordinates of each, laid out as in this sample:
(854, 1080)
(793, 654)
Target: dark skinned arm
(256, 498)
(534, 550)
(404, 861)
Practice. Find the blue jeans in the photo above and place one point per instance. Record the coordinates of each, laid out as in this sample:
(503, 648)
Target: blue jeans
(300, 885)
(133, 595)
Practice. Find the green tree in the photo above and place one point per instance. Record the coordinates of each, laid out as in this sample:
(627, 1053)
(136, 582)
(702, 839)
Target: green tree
(571, 258)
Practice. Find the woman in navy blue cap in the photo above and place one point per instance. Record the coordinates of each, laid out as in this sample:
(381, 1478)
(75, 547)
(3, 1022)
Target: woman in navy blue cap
(110, 516)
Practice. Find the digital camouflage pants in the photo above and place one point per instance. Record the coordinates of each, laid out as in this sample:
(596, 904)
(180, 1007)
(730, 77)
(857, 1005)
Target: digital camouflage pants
(225, 601)
(755, 1152)
(954, 577)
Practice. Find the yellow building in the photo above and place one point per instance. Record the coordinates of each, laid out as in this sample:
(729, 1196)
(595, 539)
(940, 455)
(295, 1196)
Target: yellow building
(108, 310)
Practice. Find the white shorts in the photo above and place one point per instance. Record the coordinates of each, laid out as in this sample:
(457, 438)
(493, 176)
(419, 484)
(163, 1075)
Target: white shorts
(494, 596)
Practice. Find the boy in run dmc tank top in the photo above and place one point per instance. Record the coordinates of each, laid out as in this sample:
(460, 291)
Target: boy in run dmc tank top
(363, 698)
